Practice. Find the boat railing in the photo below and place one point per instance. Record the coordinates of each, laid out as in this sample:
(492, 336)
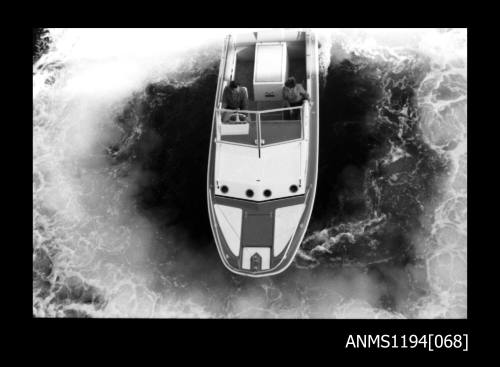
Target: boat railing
(243, 118)
(259, 112)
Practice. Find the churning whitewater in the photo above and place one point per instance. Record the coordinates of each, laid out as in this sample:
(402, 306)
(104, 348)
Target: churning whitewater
(121, 129)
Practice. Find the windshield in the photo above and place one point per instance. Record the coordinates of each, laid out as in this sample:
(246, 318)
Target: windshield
(276, 126)
(237, 127)
(280, 126)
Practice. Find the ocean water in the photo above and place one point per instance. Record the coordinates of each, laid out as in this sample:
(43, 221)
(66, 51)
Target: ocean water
(121, 126)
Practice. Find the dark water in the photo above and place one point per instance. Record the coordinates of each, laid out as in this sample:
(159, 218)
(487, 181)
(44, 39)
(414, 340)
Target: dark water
(366, 110)
(172, 151)
(378, 183)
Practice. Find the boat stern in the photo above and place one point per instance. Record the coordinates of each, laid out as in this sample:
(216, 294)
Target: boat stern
(258, 239)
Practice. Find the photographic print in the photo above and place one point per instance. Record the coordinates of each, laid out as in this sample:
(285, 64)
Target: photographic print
(275, 173)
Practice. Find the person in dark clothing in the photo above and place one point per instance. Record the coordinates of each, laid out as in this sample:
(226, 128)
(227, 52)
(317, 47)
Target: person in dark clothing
(234, 97)
(294, 95)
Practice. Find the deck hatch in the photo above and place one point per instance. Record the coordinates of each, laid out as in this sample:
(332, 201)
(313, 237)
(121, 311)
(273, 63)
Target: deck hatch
(258, 228)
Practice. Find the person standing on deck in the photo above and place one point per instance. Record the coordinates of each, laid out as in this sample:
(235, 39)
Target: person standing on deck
(234, 97)
(294, 95)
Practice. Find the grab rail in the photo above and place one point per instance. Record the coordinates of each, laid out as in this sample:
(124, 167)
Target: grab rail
(260, 111)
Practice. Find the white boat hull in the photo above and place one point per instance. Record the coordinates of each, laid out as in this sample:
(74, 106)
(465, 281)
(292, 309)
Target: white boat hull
(259, 234)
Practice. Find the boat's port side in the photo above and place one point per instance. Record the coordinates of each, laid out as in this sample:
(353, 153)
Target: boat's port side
(245, 63)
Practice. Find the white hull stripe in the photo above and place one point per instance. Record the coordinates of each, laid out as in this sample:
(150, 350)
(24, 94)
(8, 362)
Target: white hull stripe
(229, 219)
(286, 220)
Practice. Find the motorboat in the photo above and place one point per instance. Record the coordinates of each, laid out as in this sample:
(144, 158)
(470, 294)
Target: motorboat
(263, 161)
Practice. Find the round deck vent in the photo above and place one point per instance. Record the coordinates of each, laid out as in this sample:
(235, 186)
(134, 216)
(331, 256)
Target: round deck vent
(224, 189)
(267, 193)
(249, 193)
(293, 188)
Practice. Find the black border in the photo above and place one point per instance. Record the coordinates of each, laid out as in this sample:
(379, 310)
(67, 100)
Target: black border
(330, 334)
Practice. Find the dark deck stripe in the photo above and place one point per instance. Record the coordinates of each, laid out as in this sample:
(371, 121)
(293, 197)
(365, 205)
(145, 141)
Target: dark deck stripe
(257, 228)
(255, 206)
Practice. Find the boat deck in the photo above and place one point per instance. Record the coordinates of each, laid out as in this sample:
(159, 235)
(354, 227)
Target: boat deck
(272, 131)
(258, 228)
(245, 63)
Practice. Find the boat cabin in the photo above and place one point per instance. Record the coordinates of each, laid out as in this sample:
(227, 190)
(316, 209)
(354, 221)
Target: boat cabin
(254, 163)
